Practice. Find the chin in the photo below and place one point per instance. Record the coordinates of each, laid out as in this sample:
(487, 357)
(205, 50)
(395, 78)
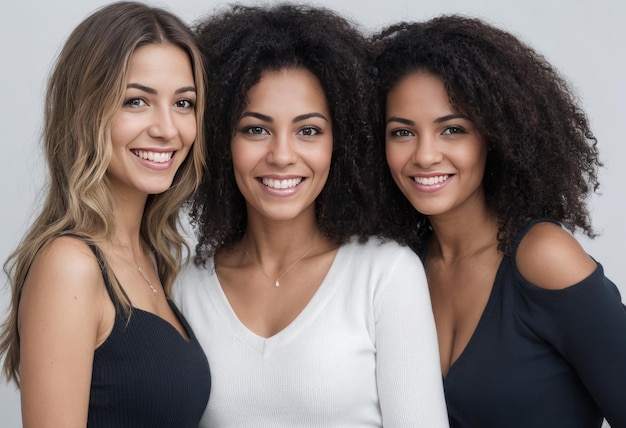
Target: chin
(429, 210)
(157, 190)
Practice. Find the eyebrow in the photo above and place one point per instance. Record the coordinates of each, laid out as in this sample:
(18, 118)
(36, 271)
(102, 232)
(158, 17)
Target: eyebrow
(295, 119)
(259, 116)
(449, 117)
(438, 120)
(308, 116)
(154, 91)
(400, 120)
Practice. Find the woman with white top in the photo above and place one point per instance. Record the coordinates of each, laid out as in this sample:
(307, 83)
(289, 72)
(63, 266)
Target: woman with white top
(306, 321)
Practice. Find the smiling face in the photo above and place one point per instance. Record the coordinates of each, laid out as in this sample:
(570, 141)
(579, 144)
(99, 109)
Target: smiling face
(155, 127)
(282, 145)
(436, 156)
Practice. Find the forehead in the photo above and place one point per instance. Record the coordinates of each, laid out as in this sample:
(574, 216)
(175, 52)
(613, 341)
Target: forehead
(289, 85)
(160, 60)
(419, 90)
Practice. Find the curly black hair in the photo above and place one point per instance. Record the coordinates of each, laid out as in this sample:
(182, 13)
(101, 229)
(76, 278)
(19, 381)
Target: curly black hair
(238, 45)
(543, 158)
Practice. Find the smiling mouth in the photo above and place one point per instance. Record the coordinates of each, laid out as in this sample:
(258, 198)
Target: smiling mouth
(430, 181)
(158, 157)
(281, 184)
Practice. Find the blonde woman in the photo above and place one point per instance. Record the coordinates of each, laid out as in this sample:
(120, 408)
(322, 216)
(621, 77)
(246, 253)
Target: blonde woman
(92, 338)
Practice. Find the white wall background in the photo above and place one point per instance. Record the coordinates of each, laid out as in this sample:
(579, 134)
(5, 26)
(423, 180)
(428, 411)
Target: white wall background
(584, 39)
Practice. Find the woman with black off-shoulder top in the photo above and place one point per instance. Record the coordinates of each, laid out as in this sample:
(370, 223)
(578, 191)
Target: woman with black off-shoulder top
(492, 161)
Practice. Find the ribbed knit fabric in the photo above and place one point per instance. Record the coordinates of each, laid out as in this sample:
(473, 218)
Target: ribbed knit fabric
(362, 353)
(147, 375)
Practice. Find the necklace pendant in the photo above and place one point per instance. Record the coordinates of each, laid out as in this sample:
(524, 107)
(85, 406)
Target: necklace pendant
(277, 280)
(143, 275)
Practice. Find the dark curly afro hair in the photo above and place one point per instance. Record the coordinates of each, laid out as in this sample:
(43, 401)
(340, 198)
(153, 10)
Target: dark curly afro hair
(238, 45)
(542, 160)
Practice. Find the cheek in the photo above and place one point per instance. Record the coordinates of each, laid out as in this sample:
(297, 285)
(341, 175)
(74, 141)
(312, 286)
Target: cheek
(122, 131)
(188, 130)
(394, 159)
(238, 156)
(243, 166)
(318, 156)
(326, 155)
(477, 161)
(245, 158)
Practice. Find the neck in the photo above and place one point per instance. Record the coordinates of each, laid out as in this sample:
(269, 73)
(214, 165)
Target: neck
(280, 239)
(273, 247)
(128, 218)
(457, 236)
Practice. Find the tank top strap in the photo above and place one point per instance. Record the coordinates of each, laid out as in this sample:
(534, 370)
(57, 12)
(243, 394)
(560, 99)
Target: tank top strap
(107, 281)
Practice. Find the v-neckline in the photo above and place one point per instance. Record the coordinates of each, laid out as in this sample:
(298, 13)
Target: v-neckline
(265, 346)
(483, 321)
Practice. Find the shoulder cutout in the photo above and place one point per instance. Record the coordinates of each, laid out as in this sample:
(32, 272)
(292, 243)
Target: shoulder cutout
(551, 258)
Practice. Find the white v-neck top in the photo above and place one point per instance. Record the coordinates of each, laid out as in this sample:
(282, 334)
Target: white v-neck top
(362, 353)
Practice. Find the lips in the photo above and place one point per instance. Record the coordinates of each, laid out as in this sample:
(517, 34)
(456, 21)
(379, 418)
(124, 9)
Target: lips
(157, 157)
(431, 181)
(281, 184)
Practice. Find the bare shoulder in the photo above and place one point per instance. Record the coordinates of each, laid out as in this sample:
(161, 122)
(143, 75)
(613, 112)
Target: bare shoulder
(66, 249)
(551, 258)
(65, 267)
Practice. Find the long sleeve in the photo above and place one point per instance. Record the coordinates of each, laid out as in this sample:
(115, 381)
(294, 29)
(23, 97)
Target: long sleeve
(407, 358)
(586, 323)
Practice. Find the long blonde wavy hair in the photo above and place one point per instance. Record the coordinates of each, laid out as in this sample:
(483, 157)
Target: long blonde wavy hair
(85, 90)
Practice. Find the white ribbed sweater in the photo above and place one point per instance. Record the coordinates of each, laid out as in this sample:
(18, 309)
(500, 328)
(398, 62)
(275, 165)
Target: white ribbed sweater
(362, 353)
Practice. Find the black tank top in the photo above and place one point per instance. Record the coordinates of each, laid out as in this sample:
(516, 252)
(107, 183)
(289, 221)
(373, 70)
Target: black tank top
(146, 374)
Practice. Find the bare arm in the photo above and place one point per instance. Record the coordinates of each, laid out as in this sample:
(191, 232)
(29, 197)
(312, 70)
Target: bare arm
(60, 317)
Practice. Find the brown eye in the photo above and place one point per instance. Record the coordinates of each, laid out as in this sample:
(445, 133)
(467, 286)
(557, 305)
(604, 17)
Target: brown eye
(185, 104)
(309, 131)
(134, 102)
(255, 130)
(451, 130)
(401, 133)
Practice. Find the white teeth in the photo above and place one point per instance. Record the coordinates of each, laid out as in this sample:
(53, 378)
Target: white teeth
(281, 184)
(429, 181)
(158, 157)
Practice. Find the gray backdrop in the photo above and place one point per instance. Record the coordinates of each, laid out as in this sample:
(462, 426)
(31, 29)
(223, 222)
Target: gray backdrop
(583, 39)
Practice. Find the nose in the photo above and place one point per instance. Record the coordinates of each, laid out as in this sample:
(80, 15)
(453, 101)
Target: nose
(283, 150)
(427, 152)
(163, 124)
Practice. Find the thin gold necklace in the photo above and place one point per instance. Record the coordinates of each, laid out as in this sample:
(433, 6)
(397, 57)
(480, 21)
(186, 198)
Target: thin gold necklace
(154, 290)
(277, 280)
